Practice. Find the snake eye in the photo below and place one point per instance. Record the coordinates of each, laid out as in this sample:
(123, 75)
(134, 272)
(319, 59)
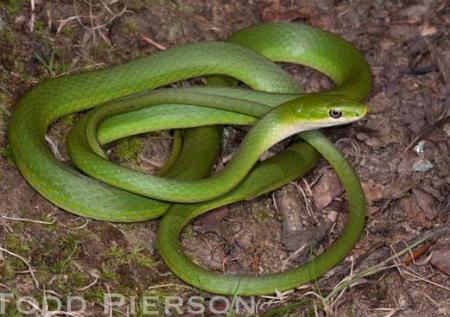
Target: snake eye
(335, 114)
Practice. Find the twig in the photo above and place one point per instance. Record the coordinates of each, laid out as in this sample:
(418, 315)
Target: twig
(48, 66)
(293, 255)
(350, 281)
(308, 207)
(153, 43)
(417, 253)
(168, 285)
(407, 271)
(28, 220)
(30, 269)
(442, 118)
(84, 225)
(54, 148)
(110, 310)
(46, 313)
(280, 296)
(32, 16)
(82, 289)
(355, 145)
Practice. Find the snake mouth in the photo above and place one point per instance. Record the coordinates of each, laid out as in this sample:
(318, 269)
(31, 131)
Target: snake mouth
(362, 112)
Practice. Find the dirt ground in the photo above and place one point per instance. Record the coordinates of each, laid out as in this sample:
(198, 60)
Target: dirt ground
(401, 151)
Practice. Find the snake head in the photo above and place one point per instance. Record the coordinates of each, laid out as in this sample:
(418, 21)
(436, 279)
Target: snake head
(319, 111)
(311, 112)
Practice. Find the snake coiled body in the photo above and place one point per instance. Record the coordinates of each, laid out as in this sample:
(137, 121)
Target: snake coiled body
(180, 193)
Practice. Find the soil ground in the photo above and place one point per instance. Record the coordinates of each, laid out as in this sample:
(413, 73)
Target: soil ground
(401, 151)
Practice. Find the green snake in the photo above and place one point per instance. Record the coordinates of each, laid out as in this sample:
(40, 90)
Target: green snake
(125, 102)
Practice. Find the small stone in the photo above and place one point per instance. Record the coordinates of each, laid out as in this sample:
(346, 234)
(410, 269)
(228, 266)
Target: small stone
(373, 191)
(428, 30)
(419, 147)
(426, 202)
(328, 188)
(441, 260)
(332, 215)
(422, 165)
